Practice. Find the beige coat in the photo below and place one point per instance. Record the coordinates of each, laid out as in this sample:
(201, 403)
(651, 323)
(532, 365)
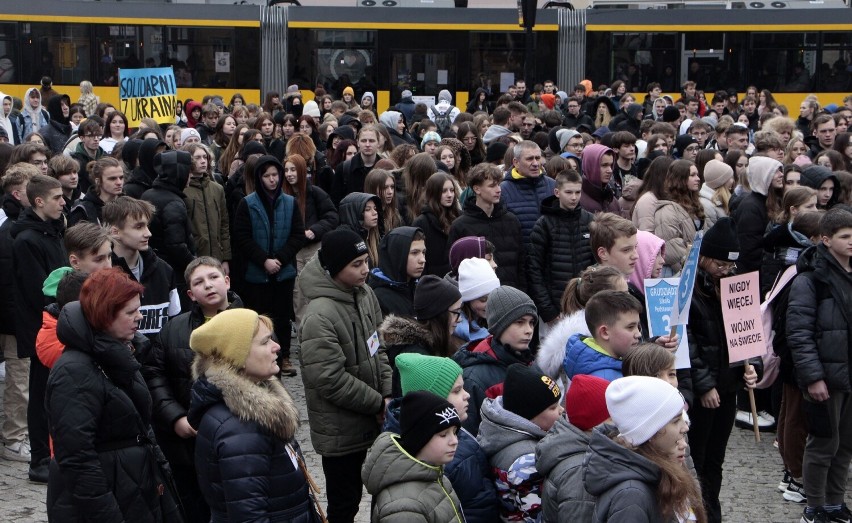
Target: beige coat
(643, 212)
(674, 225)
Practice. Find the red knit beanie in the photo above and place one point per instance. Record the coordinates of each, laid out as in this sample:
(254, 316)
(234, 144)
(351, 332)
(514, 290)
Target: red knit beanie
(585, 402)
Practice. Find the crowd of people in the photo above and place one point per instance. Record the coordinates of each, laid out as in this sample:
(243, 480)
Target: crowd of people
(466, 288)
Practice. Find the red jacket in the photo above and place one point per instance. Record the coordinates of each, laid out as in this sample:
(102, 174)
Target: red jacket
(48, 346)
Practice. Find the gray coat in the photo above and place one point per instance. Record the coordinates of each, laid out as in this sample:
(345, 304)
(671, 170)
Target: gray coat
(559, 458)
(624, 482)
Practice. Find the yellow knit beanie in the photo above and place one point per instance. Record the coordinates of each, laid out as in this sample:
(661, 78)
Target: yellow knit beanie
(227, 335)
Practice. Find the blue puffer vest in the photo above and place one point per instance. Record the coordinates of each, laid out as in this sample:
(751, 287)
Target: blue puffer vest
(282, 215)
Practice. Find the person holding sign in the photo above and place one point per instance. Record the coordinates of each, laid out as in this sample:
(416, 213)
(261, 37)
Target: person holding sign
(714, 382)
(818, 335)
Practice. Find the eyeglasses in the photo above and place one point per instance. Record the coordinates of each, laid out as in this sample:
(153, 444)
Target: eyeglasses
(576, 146)
(692, 148)
(727, 267)
(456, 312)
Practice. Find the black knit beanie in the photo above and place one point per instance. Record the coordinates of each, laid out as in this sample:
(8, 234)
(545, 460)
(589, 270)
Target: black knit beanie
(339, 248)
(528, 392)
(720, 242)
(421, 416)
(433, 296)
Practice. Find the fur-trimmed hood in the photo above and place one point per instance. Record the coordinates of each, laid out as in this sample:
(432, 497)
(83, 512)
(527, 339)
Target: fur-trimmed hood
(266, 403)
(551, 354)
(398, 330)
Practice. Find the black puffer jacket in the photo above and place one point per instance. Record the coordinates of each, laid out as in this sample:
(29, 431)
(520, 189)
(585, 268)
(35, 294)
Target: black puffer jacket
(245, 430)
(99, 411)
(818, 320)
(142, 177)
(86, 209)
(502, 229)
(559, 251)
(168, 370)
(708, 346)
(320, 215)
(437, 248)
(390, 281)
(171, 231)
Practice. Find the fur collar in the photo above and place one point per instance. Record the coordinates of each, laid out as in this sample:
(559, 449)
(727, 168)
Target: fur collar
(398, 330)
(266, 403)
(551, 353)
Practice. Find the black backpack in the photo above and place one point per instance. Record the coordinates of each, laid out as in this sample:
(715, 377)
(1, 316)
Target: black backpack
(442, 120)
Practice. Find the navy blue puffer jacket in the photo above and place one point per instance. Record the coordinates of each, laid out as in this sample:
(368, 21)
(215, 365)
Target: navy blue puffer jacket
(246, 469)
(523, 198)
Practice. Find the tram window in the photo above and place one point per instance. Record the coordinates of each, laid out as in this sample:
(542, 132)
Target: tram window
(834, 74)
(338, 68)
(781, 40)
(60, 51)
(495, 53)
(8, 67)
(117, 47)
(639, 58)
(787, 61)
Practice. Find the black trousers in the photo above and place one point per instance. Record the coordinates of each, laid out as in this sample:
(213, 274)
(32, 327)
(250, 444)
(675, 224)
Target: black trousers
(708, 441)
(274, 299)
(343, 485)
(36, 414)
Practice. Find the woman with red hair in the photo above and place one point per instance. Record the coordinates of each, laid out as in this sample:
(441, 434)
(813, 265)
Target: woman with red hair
(99, 410)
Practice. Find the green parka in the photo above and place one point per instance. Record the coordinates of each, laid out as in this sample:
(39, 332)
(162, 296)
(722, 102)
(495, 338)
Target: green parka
(345, 386)
(405, 489)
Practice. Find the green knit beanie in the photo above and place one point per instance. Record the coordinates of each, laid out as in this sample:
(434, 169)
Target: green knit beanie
(432, 373)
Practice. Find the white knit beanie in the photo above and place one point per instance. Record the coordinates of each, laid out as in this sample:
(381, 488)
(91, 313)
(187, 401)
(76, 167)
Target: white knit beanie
(476, 279)
(311, 109)
(641, 405)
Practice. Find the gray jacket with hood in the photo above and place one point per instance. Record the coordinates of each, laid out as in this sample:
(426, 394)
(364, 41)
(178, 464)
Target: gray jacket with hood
(624, 482)
(559, 458)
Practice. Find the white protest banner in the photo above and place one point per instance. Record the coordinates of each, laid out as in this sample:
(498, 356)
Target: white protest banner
(659, 300)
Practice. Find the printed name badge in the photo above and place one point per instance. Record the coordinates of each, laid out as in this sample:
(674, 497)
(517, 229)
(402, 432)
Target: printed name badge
(373, 343)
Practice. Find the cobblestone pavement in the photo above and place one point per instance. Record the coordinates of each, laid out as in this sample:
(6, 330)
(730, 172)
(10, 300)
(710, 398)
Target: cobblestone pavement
(749, 494)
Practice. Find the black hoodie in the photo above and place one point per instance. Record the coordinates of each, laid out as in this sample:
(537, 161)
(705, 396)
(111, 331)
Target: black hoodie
(37, 250)
(814, 176)
(58, 129)
(171, 232)
(142, 176)
(160, 301)
(390, 281)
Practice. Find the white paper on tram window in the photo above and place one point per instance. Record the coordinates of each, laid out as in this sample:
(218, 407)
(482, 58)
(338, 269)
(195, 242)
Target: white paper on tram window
(506, 79)
(223, 62)
(442, 76)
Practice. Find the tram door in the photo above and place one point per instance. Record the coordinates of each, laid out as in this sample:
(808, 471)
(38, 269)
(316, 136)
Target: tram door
(422, 73)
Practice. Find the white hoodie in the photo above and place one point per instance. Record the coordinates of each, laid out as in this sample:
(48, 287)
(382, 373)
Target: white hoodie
(6, 122)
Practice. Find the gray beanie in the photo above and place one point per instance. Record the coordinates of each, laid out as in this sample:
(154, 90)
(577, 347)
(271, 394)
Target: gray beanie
(505, 305)
(563, 135)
